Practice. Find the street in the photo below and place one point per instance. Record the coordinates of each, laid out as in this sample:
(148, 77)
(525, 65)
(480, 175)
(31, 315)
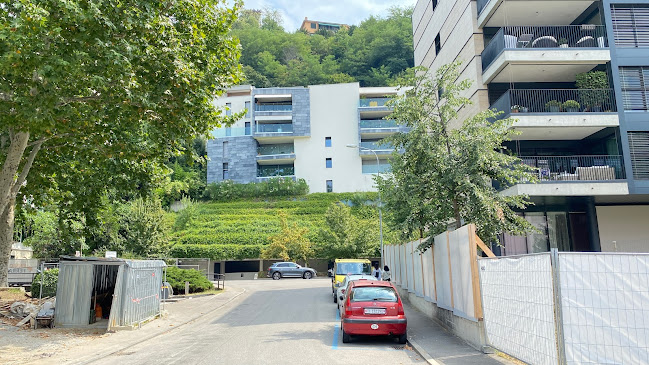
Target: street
(269, 322)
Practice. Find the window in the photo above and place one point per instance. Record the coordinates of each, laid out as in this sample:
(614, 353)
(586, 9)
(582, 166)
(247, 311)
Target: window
(330, 186)
(228, 131)
(312, 25)
(434, 4)
(639, 149)
(226, 172)
(247, 128)
(225, 149)
(327, 141)
(228, 109)
(328, 163)
(635, 87)
(438, 44)
(247, 109)
(630, 25)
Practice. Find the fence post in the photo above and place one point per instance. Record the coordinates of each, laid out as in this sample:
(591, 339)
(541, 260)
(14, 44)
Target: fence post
(40, 293)
(558, 315)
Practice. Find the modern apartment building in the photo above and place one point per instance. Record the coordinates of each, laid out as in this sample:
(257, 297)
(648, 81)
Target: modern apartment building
(586, 133)
(304, 133)
(313, 26)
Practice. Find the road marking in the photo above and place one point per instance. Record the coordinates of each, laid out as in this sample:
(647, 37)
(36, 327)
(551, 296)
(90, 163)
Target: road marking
(334, 344)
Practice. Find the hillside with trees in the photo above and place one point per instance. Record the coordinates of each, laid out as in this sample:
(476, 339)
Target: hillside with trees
(373, 53)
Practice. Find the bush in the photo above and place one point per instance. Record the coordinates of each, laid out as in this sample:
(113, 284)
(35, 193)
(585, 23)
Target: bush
(197, 281)
(229, 190)
(217, 252)
(50, 279)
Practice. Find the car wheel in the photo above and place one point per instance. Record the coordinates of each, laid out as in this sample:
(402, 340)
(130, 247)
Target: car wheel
(335, 298)
(308, 275)
(347, 338)
(403, 338)
(277, 275)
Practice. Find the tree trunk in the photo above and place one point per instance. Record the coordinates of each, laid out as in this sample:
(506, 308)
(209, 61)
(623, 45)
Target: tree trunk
(6, 240)
(10, 167)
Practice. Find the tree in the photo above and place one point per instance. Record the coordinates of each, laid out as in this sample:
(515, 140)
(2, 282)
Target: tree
(445, 174)
(99, 94)
(347, 236)
(290, 244)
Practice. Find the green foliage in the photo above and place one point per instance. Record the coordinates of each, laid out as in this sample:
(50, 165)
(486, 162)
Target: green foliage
(217, 252)
(53, 235)
(197, 281)
(276, 187)
(186, 215)
(445, 174)
(571, 104)
(347, 236)
(50, 280)
(290, 244)
(592, 80)
(552, 104)
(142, 228)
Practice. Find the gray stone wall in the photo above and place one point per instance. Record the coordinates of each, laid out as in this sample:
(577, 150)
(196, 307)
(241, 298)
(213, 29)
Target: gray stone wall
(240, 155)
(301, 115)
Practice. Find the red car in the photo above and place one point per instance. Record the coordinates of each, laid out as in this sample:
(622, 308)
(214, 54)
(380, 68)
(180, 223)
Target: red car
(373, 308)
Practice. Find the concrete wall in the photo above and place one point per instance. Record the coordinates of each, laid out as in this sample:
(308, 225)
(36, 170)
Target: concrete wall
(624, 228)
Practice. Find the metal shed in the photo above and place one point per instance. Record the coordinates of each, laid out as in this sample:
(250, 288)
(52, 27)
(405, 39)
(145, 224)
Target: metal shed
(127, 292)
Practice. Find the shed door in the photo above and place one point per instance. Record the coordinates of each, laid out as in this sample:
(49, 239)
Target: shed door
(73, 293)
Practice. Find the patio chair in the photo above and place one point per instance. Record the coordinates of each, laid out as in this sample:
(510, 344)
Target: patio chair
(545, 41)
(587, 41)
(524, 40)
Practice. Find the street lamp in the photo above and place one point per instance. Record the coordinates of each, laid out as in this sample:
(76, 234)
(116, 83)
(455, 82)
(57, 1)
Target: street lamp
(378, 170)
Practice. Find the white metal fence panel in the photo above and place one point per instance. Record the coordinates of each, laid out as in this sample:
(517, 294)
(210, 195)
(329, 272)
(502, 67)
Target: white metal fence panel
(419, 275)
(518, 304)
(461, 273)
(403, 277)
(442, 272)
(605, 307)
(410, 268)
(429, 275)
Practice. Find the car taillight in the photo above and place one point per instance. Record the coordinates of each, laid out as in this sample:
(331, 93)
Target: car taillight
(348, 308)
(400, 311)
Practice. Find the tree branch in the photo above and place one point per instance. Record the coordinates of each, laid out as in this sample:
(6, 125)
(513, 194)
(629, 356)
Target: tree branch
(78, 99)
(27, 166)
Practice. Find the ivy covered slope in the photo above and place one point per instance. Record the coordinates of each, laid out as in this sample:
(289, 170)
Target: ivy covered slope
(242, 229)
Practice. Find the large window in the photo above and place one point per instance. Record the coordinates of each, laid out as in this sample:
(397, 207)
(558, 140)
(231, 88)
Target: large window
(247, 109)
(630, 25)
(635, 87)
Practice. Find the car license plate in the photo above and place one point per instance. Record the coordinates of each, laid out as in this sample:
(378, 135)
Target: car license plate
(374, 311)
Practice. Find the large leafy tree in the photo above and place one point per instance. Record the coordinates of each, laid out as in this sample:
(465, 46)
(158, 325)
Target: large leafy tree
(444, 176)
(290, 244)
(101, 93)
(346, 235)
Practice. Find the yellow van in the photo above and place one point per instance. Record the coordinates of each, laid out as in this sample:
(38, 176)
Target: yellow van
(344, 267)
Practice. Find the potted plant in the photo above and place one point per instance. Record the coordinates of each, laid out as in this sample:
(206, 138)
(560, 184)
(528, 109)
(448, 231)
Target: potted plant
(516, 108)
(594, 91)
(571, 106)
(563, 43)
(553, 106)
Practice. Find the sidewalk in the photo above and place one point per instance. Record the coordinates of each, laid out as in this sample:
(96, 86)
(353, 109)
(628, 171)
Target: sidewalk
(438, 346)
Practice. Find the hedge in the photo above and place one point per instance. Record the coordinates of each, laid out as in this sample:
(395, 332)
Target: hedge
(197, 281)
(217, 252)
(278, 187)
(50, 279)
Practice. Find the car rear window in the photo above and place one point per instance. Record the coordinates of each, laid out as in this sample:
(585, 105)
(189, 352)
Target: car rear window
(373, 293)
(346, 268)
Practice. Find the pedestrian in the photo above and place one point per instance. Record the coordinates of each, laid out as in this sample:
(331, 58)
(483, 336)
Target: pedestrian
(376, 272)
(386, 273)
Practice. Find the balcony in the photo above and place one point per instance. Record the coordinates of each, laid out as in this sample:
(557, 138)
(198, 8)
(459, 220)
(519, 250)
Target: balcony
(379, 147)
(271, 171)
(274, 154)
(231, 132)
(378, 128)
(374, 108)
(498, 13)
(273, 107)
(544, 54)
(558, 114)
(274, 133)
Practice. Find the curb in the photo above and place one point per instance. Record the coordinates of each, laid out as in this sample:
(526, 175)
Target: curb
(423, 353)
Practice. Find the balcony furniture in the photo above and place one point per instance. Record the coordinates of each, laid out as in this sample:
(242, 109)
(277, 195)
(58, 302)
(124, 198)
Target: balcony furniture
(524, 40)
(596, 173)
(511, 41)
(587, 41)
(545, 41)
(566, 176)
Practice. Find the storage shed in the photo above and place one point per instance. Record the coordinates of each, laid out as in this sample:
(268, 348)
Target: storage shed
(114, 292)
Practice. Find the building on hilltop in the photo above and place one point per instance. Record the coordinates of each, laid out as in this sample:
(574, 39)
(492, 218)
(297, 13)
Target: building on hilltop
(587, 138)
(313, 26)
(304, 133)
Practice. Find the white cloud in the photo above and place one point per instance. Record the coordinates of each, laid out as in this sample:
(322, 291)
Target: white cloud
(350, 12)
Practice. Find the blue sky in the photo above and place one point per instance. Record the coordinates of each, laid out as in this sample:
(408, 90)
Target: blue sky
(350, 12)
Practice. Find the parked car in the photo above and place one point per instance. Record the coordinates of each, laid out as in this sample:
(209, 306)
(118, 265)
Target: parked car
(344, 267)
(373, 308)
(280, 270)
(343, 287)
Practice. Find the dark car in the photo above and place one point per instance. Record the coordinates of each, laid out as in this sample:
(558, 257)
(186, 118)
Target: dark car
(280, 270)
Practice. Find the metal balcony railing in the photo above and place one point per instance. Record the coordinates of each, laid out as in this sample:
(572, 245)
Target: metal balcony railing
(275, 149)
(556, 101)
(379, 123)
(577, 168)
(564, 36)
(376, 146)
(373, 102)
(275, 128)
(273, 107)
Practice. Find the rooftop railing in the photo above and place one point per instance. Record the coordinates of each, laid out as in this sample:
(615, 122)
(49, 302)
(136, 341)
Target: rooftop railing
(379, 123)
(524, 37)
(577, 168)
(373, 102)
(275, 128)
(555, 101)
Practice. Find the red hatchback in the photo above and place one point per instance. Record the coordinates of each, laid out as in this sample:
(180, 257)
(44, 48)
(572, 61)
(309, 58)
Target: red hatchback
(373, 308)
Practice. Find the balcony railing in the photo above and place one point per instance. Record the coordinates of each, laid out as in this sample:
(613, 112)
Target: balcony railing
(481, 5)
(231, 132)
(376, 146)
(379, 123)
(275, 171)
(275, 149)
(555, 101)
(567, 36)
(273, 107)
(275, 128)
(577, 168)
(373, 102)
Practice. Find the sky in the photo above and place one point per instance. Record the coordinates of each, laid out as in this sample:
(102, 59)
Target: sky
(350, 12)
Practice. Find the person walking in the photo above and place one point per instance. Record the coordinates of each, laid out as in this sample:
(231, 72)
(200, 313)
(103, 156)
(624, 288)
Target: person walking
(376, 272)
(386, 273)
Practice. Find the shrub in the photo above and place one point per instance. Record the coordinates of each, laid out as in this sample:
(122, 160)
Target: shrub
(217, 252)
(277, 187)
(571, 104)
(50, 279)
(197, 281)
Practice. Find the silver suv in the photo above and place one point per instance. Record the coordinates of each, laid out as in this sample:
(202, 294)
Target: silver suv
(280, 270)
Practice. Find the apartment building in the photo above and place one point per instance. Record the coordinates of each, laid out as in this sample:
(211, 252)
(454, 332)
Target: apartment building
(575, 75)
(313, 26)
(328, 135)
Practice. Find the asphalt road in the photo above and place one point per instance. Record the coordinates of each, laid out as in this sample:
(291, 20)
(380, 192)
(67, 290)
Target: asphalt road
(290, 321)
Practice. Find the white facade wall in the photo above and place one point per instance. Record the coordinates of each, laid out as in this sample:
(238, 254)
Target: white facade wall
(623, 228)
(238, 104)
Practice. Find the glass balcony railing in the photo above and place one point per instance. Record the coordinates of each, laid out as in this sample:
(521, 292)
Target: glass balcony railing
(580, 168)
(555, 101)
(275, 170)
(373, 102)
(379, 123)
(231, 132)
(273, 107)
(275, 128)
(375, 146)
(568, 36)
(275, 149)
(481, 5)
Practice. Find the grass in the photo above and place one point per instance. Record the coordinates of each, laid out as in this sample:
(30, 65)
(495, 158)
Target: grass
(209, 292)
(13, 294)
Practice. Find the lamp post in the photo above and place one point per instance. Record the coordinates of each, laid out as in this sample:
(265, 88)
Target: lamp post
(378, 169)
